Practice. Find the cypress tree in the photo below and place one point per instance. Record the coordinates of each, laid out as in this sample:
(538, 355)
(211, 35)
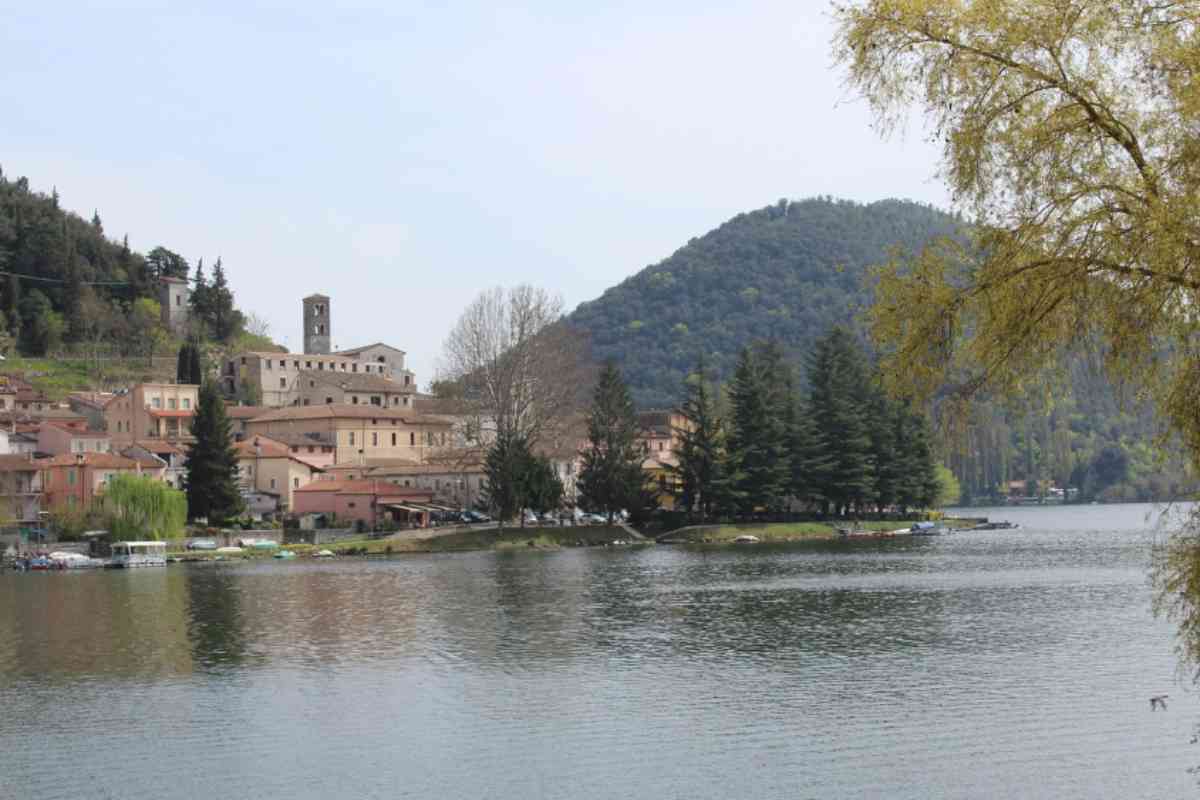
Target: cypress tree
(183, 373)
(195, 365)
(212, 480)
(611, 478)
(220, 300)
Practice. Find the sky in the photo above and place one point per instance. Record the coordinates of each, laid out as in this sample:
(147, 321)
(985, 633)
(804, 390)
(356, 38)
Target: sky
(401, 157)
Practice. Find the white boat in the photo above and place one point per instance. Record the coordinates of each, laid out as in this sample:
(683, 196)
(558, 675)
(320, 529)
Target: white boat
(70, 560)
(746, 538)
(138, 554)
(323, 554)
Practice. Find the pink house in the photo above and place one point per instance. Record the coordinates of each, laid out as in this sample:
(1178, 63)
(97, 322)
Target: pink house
(372, 502)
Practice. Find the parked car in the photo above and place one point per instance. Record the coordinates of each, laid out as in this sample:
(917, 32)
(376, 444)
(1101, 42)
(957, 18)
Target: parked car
(202, 544)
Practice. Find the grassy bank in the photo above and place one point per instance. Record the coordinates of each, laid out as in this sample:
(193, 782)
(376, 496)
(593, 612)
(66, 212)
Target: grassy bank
(450, 542)
(777, 532)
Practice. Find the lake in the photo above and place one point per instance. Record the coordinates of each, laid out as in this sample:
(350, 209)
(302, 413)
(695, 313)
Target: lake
(983, 664)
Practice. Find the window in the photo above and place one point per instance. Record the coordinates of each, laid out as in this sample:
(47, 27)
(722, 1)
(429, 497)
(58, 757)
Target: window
(351, 437)
(395, 401)
(407, 482)
(178, 300)
(312, 384)
(308, 365)
(374, 439)
(156, 402)
(243, 361)
(375, 400)
(354, 367)
(296, 364)
(187, 404)
(321, 365)
(350, 504)
(282, 364)
(660, 447)
(412, 439)
(295, 483)
(272, 483)
(269, 364)
(407, 379)
(354, 400)
(283, 383)
(393, 437)
(70, 477)
(374, 422)
(328, 401)
(343, 366)
(171, 403)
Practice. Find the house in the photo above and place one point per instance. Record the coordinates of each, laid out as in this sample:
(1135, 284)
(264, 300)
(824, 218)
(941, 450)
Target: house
(659, 439)
(238, 415)
(370, 503)
(313, 448)
(317, 388)
(152, 411)
(359, 433)
(61, 438)
(173, 456)
(454, 479)
(273, 379)
(74, 481)
(391, 357)
(265, 465)
(90, 405)
(20, 488)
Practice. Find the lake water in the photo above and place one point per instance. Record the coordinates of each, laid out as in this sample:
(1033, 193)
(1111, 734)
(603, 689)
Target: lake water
(998, 664)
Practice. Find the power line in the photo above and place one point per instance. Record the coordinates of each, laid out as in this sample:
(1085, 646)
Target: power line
(82, 283)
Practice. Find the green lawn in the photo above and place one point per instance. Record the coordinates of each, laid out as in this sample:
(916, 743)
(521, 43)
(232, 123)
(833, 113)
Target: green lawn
(789, 531)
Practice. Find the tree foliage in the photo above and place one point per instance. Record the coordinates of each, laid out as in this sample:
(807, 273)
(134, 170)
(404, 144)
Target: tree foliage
(611, 477)
(518, 479)
(212, 479)
(142, 508)
(701, 449)
(1068, 133)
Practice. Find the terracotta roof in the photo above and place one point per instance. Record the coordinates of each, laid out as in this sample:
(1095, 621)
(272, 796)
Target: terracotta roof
(93, 399)
(302, 439)
(355, 350)
(368, 486)
(18, 462)
(268, 448)
(245, 412)
(160, 446)
(171, 413)
(102, 460)
(348, 411)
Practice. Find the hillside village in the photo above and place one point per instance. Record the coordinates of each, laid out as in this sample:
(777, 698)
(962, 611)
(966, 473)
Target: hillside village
(320, 435)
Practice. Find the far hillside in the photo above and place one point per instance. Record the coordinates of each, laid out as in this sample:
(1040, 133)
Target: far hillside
(791, 271)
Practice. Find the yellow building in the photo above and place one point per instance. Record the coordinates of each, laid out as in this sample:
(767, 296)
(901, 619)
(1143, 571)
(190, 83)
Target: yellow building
(359, 434)
(268, 467)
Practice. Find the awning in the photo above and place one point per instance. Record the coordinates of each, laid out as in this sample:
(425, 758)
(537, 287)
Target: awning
(401, 507)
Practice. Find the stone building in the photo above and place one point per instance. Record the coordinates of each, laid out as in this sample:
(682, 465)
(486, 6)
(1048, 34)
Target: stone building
(359, 434)
(152, 411)
(318, 328)
(174, 297)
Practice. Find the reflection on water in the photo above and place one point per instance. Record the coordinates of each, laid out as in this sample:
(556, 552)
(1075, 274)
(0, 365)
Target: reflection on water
(982, 664)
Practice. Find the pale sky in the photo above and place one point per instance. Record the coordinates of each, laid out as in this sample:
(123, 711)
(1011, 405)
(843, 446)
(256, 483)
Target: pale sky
(400, 157)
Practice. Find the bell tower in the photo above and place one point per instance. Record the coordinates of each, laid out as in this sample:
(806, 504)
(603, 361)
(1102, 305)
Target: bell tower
(317, 327)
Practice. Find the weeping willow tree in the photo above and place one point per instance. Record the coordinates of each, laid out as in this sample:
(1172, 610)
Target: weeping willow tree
(1068, 131)
(142, 508)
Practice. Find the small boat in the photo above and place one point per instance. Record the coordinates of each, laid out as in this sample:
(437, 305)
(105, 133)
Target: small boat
(928, 529)
(284, 554)
(40, 564)
(746, 538)
(323, 554)
(68, 560)
(126, 555)
(996, 526)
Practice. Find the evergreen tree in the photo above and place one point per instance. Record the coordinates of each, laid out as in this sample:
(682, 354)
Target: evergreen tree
(212, 480)
(701, 451)
(183, 362)
(885, 458)
(195, 365)
(506, 468)
(611, 478)
(758, 399)
(838, 386)
(544, 489)
(221, 311)
(201, 300)
(807, 455)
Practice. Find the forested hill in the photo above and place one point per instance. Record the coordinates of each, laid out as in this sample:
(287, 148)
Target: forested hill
(786, 272)
(66, 286)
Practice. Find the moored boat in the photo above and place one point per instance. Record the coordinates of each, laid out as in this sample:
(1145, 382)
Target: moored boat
(928, 529)
(126, 555)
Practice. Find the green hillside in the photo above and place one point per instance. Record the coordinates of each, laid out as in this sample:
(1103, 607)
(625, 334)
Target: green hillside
(787, 272)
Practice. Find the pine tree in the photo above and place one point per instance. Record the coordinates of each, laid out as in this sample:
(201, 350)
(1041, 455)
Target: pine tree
(506, 470)
(201, 300)
(838, 386)
(221, 310)
(212, 480)
(885, 458)
(701, 452)
(758, 398)
(611, 478)
(807, 455)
